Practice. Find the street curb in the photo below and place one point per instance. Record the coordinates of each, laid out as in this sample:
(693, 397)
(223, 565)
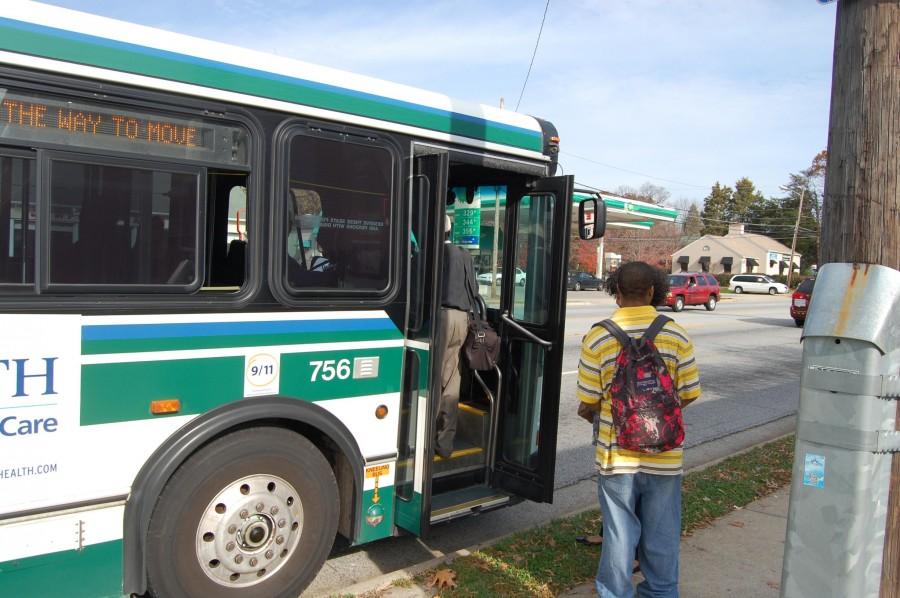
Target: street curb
(384, 582)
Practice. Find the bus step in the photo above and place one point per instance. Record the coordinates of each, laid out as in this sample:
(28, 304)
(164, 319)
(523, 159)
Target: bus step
(464, 457)
(465, 501)
(472, 427)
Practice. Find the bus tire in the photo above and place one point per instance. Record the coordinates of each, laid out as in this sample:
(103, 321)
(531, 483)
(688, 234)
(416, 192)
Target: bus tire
(253, 513)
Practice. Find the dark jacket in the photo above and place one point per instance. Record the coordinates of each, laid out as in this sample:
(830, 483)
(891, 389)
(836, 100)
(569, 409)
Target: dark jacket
(458, 268)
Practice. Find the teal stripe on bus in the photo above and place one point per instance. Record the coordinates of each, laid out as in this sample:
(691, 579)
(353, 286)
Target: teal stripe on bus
(120, 392)
(187, 343)
(56, 47)
(95, 571)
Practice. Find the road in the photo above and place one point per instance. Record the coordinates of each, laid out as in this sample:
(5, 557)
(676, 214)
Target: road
(749, 353)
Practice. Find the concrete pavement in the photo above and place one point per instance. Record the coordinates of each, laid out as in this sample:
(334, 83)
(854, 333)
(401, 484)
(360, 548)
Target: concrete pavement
(738, 555)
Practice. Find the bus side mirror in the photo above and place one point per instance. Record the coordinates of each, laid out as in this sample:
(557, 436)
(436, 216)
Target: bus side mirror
(591, 218)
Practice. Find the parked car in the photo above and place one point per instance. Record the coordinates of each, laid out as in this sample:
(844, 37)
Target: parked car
(693, 288)
(486, 277)
(755, 283)
(800, 300)
(583, 280)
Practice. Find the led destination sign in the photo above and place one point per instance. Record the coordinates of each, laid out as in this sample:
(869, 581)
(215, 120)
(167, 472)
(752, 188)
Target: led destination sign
(56, 120)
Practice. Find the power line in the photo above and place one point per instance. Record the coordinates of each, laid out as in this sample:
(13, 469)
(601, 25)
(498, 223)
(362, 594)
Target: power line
(650, 176)
(536, 44)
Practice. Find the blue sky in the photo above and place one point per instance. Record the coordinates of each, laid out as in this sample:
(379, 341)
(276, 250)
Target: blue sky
(678, 93)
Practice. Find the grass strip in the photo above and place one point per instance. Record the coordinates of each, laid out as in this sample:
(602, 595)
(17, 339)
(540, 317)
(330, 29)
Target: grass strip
(546, 561)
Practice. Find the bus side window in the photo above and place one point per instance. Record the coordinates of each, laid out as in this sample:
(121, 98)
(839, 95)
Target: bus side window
(119, 225)
(17, 212)
(338, 221)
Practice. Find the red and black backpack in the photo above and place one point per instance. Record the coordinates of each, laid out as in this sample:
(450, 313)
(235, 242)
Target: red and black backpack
(646, 410)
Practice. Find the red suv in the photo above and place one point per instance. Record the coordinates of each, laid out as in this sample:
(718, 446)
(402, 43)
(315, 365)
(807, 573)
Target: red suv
(693, 288)
(800, 301)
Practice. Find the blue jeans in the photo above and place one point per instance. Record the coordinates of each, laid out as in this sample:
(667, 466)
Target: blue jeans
(641, 511)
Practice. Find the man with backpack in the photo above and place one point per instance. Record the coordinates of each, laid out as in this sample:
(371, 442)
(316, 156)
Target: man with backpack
(637, 371)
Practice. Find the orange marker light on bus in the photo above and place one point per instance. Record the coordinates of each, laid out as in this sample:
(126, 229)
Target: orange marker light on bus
(163, 406)
(381, 411)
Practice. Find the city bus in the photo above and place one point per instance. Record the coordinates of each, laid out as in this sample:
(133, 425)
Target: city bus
(219, 288)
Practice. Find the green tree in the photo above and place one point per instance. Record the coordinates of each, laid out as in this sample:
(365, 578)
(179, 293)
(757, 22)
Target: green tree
(745, 195)
(776, 217)
(693, 224)
(714, 210)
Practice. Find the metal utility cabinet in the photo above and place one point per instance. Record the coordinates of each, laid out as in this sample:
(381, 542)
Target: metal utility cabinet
(845, 434)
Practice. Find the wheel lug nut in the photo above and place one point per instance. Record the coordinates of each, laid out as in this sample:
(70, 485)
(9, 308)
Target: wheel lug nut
(245, 513)
(279, 540)
(260, 507)
(253, 562)
(273, 510)
(229, 547)
(232, 529)
(281, 523)
(239, 559)
(269, 554)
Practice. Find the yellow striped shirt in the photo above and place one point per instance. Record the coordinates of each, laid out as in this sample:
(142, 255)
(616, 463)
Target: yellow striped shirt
(597, 367)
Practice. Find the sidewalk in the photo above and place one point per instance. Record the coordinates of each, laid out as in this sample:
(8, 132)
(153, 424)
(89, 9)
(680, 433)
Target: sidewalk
(738, 555)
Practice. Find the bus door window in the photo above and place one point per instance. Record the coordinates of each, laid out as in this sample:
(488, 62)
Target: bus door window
(338, 217)
(533, 254)
(534, 257)
(17, 218)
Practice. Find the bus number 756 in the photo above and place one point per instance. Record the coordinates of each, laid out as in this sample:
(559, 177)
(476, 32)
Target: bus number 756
(330, 369)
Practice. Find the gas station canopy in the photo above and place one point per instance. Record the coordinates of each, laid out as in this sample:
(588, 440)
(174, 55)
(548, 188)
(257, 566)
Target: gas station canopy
(629, 213)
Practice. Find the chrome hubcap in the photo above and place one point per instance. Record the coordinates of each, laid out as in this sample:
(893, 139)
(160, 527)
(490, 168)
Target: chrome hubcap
(248, 531)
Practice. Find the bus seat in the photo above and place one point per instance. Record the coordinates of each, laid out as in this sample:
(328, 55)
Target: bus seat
(366, 264)
(233, 273)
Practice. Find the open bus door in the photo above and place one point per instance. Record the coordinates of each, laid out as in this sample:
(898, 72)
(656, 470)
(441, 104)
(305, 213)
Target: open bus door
(532, 318)
(506, 436)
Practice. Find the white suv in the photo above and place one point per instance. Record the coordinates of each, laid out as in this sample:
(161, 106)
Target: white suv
(755, 283)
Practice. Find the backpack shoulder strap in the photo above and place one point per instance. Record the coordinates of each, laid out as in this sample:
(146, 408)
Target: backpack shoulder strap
(655, 327)
(619, 334)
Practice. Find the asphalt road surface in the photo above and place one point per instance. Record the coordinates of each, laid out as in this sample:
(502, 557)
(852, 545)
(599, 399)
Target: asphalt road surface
(749, 354)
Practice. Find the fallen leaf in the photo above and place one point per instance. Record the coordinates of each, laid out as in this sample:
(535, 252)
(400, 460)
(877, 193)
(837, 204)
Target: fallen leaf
(737, 524)
(443, 578)
(481, 565)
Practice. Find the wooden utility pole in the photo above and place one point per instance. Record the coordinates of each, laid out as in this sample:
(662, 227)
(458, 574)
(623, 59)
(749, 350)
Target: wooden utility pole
(861, 214)
(794, 242)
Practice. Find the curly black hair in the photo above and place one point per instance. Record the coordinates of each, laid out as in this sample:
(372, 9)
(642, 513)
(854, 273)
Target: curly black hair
(634, 278)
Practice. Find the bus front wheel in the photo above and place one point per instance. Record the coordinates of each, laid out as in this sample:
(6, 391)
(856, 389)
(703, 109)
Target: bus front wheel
(253, 513)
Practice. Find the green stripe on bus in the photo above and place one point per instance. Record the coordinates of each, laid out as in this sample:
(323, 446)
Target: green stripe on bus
(119, 392)
(95, 571)
(132, 62)
(187, 343)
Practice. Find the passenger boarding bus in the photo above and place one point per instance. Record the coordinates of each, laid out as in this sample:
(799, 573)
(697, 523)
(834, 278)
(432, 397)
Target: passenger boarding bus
(219, 283)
